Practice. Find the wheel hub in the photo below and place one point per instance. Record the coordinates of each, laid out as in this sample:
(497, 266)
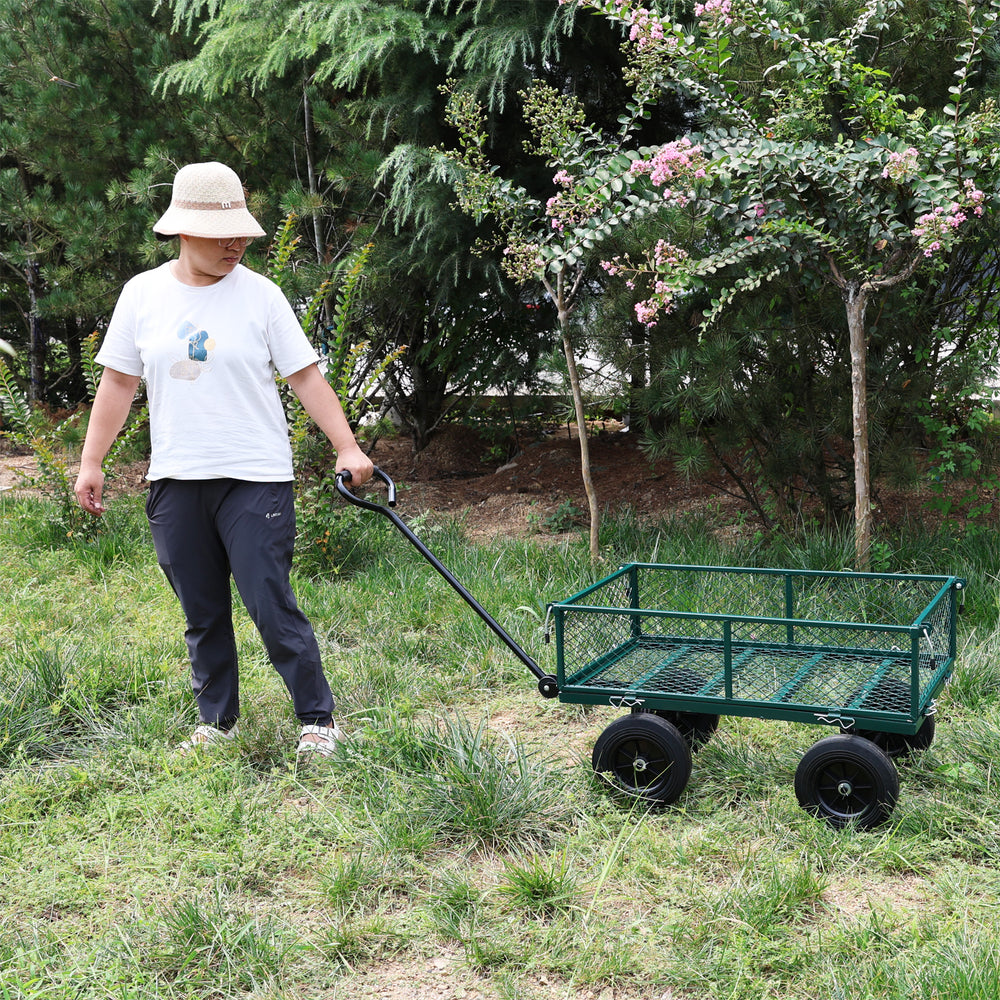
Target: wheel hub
(640, 764)
(845, 788)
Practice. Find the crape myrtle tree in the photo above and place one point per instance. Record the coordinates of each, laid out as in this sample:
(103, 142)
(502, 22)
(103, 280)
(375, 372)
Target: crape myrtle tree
(872, 192)
(529, 231)
(372, 70)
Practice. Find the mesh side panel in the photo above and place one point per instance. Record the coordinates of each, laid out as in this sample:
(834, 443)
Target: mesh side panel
(751, 593)
(862, 599)
(712, 593)
(833, 647)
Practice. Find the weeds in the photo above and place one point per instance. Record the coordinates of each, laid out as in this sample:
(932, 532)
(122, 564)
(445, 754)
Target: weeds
(55, 442)
(460, 824)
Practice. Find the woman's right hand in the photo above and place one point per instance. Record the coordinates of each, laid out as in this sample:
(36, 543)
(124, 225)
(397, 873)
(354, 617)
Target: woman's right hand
(89, 490)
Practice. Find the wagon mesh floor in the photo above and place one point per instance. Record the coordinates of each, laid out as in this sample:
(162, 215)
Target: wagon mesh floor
(787, 676)
(802, 640)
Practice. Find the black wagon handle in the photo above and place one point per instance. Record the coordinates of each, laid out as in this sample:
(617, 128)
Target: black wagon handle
(547, 684)
(345, 477)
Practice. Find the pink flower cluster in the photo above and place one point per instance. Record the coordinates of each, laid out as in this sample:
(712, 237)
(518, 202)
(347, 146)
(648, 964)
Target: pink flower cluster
(680, 161)
(569, 207)
(715, 9)
(935, 229)
(664, 256)
(901, 165)
(647, 29)
(562, 208)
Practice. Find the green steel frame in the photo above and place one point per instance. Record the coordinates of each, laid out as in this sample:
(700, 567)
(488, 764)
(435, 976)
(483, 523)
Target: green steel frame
(880, 675)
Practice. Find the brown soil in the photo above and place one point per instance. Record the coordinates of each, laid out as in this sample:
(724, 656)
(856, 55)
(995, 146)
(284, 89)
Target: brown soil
(534, 487)
(539, 489)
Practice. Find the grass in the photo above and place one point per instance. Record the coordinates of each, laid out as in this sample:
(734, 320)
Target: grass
(459, 839)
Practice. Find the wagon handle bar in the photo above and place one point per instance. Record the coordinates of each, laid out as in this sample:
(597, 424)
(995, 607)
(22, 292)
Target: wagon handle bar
(547, 684)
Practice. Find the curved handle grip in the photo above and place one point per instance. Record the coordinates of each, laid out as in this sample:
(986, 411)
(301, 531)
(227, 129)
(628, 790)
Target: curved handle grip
(345, 477)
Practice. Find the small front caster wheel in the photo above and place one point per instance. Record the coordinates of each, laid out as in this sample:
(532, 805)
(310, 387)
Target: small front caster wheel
(644, 755)
(847, 780)
(548, 686)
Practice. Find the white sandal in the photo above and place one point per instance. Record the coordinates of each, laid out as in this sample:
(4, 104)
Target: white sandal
(325, 743)
(206, 737)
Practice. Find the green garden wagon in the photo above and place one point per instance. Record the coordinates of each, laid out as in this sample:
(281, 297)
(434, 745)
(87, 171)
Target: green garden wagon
(679, 646)
(675, 647)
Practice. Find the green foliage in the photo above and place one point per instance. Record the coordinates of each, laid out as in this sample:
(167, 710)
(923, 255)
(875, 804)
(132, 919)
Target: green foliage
(348, 361)
(464, 783)
(53, 445)
(862, 199)
(963, 444)
(329, 538)
(354, 374)
(78, 118)
(368, 74)
(540, 887)
(565, 517)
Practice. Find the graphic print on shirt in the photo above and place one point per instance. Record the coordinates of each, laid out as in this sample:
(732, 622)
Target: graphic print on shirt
(199, 346)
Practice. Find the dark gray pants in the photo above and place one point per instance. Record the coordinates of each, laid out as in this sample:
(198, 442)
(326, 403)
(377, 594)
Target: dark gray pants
(208, 530)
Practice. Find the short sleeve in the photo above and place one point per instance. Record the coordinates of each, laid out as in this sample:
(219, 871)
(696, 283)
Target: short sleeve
(291, 350)
(119, 349)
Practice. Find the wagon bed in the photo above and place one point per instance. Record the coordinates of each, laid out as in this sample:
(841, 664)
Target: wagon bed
(808, 646)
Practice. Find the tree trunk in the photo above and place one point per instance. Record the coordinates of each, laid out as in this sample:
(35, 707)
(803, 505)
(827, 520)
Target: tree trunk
(581, 426)
(563, 300)
(856, 300)
(37, 347)
(311, 173)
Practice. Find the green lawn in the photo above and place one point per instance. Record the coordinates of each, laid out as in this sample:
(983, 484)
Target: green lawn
(460, 845)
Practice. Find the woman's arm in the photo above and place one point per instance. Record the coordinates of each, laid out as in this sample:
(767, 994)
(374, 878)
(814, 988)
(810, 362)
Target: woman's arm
(322, 404)
(107, 417)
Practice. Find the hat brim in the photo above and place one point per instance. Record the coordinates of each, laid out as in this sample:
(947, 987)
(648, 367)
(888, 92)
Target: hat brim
(214, 224)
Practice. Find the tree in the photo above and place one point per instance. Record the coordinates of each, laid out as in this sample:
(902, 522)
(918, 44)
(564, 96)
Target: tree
(374, 71)
(86, 153)
(858, 188)
(539, 239)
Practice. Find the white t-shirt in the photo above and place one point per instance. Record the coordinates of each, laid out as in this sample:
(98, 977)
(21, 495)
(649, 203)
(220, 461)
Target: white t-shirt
(208, 355)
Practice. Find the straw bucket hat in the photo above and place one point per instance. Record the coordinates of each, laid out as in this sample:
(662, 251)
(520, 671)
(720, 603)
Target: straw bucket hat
(207, 200)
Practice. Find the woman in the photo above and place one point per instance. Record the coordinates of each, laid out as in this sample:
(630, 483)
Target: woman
(207, 335)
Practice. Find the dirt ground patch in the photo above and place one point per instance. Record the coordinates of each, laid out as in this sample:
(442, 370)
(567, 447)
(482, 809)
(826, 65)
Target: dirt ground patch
(540, 489)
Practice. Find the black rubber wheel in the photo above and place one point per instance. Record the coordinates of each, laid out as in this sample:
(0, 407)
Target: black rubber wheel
(695, 727)
(847, 780)
(893, 695)
(899, 746)
(548, 686)
(644, 755)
